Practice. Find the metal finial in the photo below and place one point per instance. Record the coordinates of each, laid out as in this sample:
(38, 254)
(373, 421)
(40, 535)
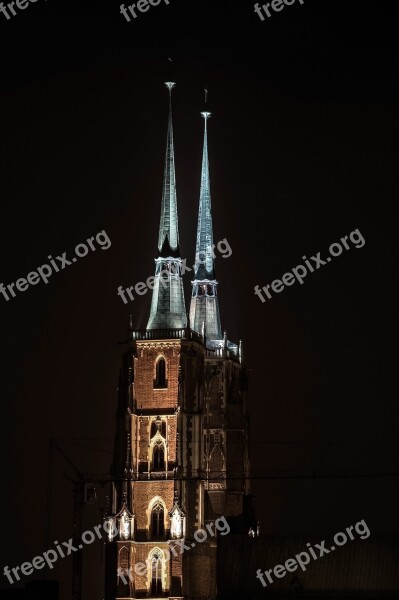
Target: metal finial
(170, 85)
(206, 94)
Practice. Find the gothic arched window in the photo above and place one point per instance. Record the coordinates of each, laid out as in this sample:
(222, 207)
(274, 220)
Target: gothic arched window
(156, 574)
(158, 457)
(157, 521)
(160, 374)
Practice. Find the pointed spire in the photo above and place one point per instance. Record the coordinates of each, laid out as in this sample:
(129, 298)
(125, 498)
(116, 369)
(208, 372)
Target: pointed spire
(204, 249)
(204, 301)
(168, 309)
(168, 241)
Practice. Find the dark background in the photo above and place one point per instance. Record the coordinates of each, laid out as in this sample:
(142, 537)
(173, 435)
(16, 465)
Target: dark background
(303, 147)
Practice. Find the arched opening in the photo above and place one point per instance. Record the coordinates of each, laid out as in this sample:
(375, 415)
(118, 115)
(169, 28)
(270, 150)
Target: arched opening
(216, 463)
(156, 573)
(158, 457)
(160, 374)
(157, 521)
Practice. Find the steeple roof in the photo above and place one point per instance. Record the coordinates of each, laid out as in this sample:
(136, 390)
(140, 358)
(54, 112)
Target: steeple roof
(168, 241)
(204, 308)
(168, 309)
(204, 246)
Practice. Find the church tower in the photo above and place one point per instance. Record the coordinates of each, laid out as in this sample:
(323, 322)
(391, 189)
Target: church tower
(180, 469)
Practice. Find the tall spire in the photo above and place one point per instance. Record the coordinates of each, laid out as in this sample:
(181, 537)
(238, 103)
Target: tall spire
(204, 302)
(168, 240)
(168, 307)
(203, 250)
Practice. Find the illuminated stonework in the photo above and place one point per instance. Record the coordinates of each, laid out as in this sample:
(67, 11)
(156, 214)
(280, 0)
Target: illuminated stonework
(180, 458)
(177, 521)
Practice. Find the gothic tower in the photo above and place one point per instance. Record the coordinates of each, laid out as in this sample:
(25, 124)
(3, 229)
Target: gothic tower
(180, 468)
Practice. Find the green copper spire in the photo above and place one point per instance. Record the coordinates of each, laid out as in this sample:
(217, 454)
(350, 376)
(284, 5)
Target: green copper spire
(168, 227)
(204, 249)
(204, 307)
(168, 310)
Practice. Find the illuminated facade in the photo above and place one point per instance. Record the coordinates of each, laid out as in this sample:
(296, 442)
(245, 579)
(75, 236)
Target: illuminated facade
(181, 458)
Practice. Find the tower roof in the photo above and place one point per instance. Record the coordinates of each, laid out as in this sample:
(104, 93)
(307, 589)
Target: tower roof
(167, 305)
(168, 241)
(204, 247)
(204, 308)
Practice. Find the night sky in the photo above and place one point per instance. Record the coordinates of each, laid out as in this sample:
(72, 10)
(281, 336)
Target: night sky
(303, 145)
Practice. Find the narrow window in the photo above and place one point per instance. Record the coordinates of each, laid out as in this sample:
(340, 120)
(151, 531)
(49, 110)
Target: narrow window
(157, 521)
(160, 374)
(158, 458)
(156, 574)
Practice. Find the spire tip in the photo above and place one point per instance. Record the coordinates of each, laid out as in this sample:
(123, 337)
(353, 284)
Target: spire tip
(170, 85)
